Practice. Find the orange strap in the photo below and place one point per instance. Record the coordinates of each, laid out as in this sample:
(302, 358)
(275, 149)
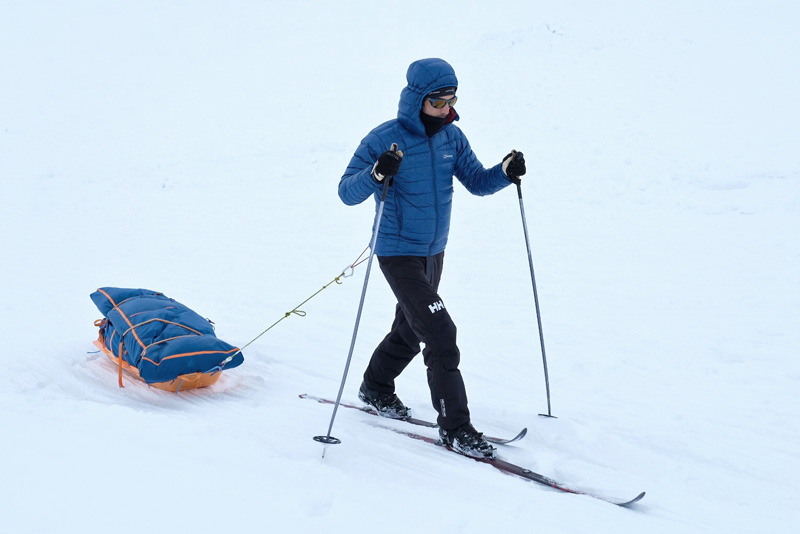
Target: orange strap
(120, 365)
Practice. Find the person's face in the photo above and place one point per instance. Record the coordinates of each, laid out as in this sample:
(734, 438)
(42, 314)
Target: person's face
(428, 109)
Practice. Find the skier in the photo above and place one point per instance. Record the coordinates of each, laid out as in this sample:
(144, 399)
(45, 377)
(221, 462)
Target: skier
(412, 238)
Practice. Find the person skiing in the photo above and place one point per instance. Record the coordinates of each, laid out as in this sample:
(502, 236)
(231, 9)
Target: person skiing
(412, 237)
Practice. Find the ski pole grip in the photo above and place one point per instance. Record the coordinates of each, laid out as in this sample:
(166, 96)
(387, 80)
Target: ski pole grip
(515, 179)
(390, 179)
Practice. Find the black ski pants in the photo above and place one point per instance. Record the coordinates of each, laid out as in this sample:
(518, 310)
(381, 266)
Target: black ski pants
(420, 316)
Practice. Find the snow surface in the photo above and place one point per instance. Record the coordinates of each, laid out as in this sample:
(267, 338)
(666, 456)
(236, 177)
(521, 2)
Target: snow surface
(195, 148)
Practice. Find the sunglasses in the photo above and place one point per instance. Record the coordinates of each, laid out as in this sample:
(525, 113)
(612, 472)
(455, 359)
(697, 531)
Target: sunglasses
(439, 103)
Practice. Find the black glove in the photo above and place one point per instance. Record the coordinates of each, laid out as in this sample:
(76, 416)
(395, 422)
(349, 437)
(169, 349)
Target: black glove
(514, 164)
(388, 163)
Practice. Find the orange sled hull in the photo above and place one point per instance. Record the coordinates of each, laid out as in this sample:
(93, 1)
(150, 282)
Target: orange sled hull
(182, 383)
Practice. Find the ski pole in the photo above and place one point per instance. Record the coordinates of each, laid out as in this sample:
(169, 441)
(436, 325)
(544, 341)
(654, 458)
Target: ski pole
(516, 180)
(328, 439)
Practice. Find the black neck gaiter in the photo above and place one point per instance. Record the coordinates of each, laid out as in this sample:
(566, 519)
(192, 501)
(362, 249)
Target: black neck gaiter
(432, 124)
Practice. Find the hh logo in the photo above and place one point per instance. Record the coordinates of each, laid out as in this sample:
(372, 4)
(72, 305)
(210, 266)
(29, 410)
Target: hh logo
(436, 306)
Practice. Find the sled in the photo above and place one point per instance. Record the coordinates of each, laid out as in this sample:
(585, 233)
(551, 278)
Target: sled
(181, 383)
(159, 340)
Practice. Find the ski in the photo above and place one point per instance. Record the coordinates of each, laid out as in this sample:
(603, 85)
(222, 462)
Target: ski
(412, 420)
(521, 472)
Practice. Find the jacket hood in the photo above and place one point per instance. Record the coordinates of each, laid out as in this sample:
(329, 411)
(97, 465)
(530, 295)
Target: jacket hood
(423, 76)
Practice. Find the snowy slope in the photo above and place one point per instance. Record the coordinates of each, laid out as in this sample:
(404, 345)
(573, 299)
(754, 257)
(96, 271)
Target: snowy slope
(195, 148)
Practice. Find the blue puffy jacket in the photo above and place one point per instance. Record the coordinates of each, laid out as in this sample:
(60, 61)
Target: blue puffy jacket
(416, 216)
